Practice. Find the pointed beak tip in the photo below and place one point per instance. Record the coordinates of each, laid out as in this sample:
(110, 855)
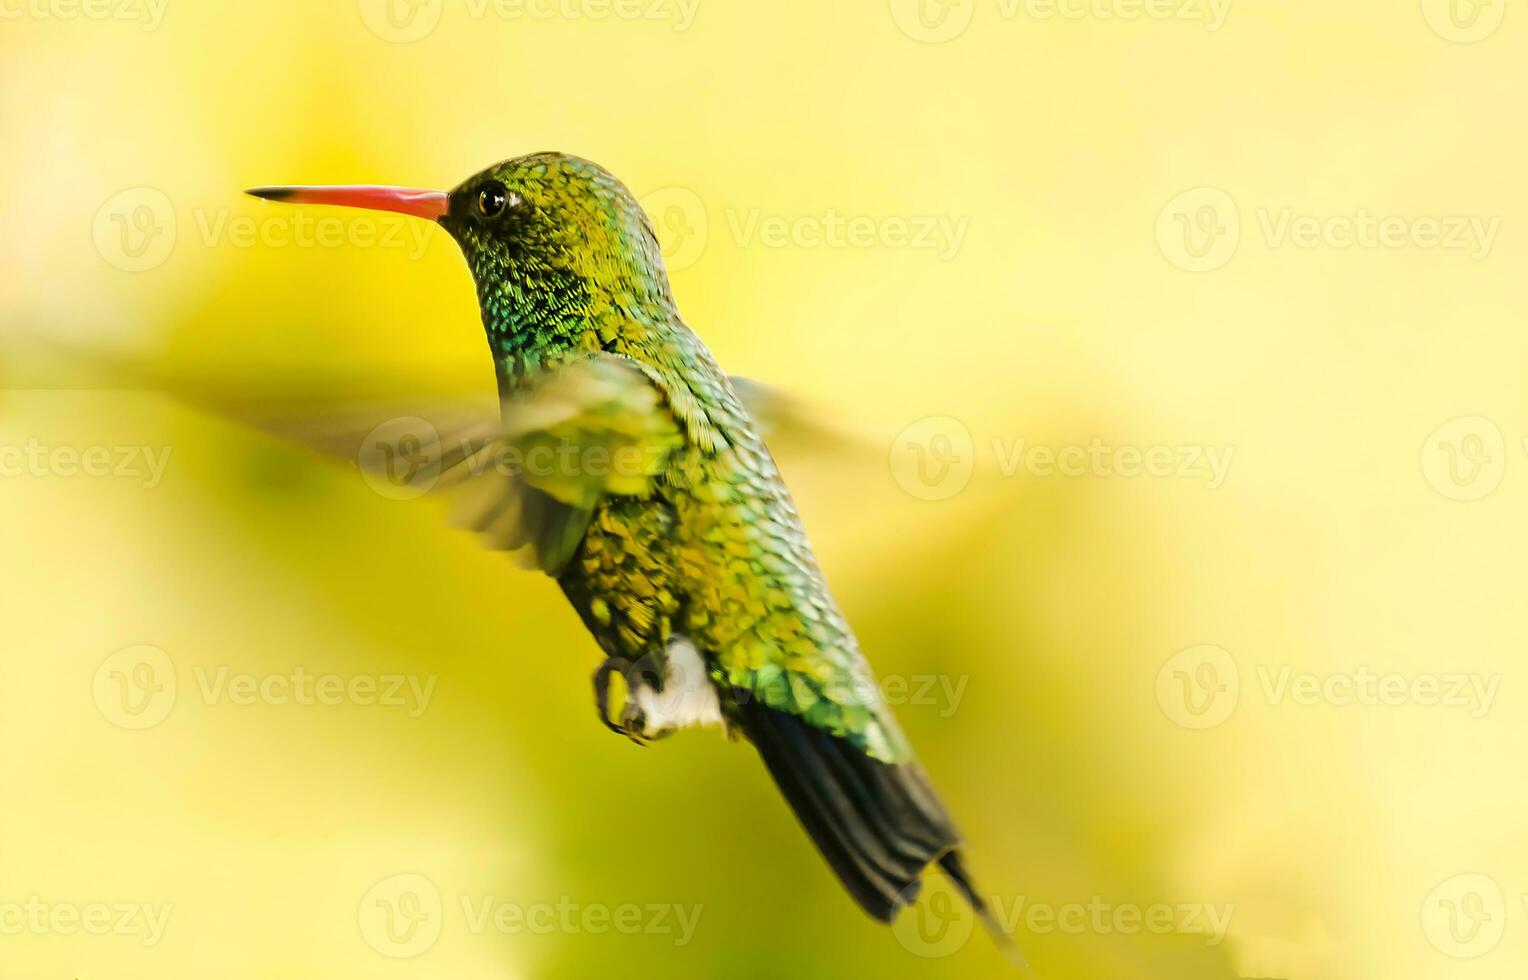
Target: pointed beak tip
(401, 200)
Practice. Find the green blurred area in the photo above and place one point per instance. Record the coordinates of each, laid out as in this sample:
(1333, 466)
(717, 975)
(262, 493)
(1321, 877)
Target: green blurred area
(1028, 619)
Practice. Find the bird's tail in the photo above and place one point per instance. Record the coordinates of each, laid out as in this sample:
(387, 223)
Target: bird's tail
(878, 825)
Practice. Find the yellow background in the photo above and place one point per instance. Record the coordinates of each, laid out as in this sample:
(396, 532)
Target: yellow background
(1338, 542)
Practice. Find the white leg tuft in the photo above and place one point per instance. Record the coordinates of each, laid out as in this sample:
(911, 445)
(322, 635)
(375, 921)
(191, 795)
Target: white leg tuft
(688, 697)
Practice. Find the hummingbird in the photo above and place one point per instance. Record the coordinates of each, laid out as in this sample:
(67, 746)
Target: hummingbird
(626, 465)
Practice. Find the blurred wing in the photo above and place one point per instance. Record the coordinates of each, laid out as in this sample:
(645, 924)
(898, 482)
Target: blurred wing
(591, 429)
(794, 427)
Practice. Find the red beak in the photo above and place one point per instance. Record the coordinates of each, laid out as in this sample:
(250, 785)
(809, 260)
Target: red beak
(403, 200)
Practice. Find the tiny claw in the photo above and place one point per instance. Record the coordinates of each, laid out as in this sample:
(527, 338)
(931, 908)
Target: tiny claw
(602, 690)
(634, 723)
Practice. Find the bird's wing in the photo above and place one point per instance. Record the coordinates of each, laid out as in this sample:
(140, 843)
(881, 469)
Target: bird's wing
(505, 468)
(526, 479)
(591, 429)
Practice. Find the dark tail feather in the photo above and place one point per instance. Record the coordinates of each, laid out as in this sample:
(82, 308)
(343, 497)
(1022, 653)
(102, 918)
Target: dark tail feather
(878, 825)
(954, 867)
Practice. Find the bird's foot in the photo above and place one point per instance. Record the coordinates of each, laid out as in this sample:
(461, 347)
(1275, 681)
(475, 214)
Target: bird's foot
(644, 684)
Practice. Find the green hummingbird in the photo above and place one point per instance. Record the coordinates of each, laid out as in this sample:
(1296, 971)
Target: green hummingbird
(626, 465)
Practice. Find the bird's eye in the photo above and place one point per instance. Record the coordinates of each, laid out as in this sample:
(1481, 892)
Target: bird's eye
(492, 200)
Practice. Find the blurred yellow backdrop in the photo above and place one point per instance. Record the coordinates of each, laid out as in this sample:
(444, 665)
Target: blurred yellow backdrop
(1189, 338)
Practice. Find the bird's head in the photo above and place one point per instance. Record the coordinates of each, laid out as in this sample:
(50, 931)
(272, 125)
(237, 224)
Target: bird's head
(557, 245)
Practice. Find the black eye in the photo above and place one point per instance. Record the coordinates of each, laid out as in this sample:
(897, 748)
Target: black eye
(492, 200)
